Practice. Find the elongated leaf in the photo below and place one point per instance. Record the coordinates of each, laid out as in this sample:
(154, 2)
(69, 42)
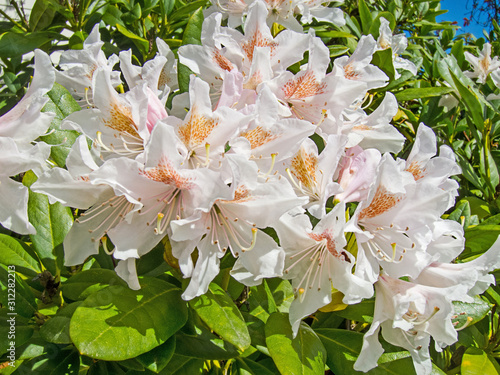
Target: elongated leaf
(183, 11)
(62, 104)
(65, 361)
(471, 102)
(41, 15)
(245, 366)
(56, 329)
(301, 355)
(145, 317)
(83, 284)
(15, 253)
(425, 92)
(141, 43)
(184, 365)
(220, 313)
(476, 361)
(365, 15)
(205, 346)
(192, 33)
(279, 291)
(52, 222)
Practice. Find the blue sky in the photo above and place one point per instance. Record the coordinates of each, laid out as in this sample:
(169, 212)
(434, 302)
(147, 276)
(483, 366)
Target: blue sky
(457, 9)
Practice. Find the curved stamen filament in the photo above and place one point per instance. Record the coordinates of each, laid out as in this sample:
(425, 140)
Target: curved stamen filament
(100, 142)
(465, 325)
(273, 160)
(254, 240)
(104, 241)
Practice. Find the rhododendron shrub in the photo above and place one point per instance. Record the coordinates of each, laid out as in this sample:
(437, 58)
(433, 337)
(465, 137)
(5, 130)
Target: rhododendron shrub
(250, 187)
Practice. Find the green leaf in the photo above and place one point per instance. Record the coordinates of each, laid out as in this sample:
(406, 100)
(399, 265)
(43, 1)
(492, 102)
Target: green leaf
(220, 313)
(14, 44)
(182, 12)
(85, 283)
(365, 16)
(205, 345)
(41, 15)
(56, 329)
(343, 348)
(383, 59)
(475, 361)
(245, 366)
(301, 355)
(146, 318)
(52, 222)
(141, 43)
(425, 92)
(480, 238)
(16, 295)
(155, 360)
(192, 33)
(471, 101)
(261, 303)
(476, 311)
(66, 361)
(360, 312)
(183, 77)
(62, 104)
(14, 252)
(184, 365)
(461, 213)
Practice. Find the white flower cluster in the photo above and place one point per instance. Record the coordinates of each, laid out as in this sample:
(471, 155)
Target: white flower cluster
(234, 156)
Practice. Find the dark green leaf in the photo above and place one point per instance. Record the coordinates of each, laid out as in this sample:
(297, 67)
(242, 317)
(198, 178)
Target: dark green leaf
(16, 294)
(14, 330)
(145, 317)
(245, 366)
(220, 313)
(14, 44)
(480, 238)
(365, 16)
(204, 345)
(66, 361)
(301, 355)
(155, 360)
(184, 365)
(56, 329)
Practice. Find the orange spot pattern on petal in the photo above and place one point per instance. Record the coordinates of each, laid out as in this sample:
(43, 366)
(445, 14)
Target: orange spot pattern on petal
(120, 119)
(302, 87)
(259, 136)
(330, 245)
(258, 40)
(196, 129)
(350, 73)
(382, 202)
(222, 61)
(166, 173)
(304, 167)
(415, 170)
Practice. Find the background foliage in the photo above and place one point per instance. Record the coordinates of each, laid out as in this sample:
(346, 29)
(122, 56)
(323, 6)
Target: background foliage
(85, 320)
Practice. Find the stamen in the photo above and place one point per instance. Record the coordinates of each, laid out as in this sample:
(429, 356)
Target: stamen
(207, 149)
(254, 240)
(101, 143)
(159, 218)
(273, 160)
(104, 241)
(466, 324)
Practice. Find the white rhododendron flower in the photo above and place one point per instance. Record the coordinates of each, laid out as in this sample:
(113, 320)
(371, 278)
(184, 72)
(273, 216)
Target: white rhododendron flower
(482, 65)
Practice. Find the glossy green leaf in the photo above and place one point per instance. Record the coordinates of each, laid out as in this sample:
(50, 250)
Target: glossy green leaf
(383, 59)
(141, 43)
(15, 293)
(56, 329)
(184, 365)
(52, 222)
(461, 214)
(83, 284)
(62, 104)
(184, 11)
(475, 361)
(14, 252)
(146, 318)
(155, 360)
(360, 312)
(279, 295)
(220, 313)
(475, 311)
(419, 93)
(192, 33)
(480, 238)
(41, 15)
(301, 355)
